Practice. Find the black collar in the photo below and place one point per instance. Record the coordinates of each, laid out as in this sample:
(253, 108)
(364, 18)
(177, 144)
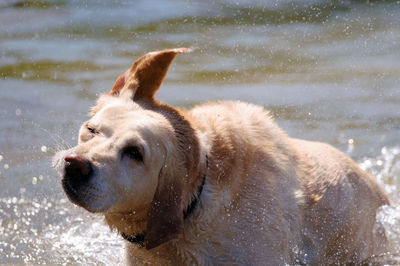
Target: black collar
(190, 208)
(139, 238)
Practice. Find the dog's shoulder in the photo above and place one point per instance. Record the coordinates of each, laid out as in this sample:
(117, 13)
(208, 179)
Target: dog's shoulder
(243, 143)
(235, 119)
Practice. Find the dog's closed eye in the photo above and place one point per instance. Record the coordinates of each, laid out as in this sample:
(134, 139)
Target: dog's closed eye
(133, 152)
(92, 130)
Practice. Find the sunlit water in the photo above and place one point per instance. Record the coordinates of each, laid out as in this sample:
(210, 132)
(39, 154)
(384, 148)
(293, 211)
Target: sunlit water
(328, 71)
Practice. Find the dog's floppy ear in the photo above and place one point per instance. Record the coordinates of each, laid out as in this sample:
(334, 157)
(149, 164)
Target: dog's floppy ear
(146, 74)
(165, 217)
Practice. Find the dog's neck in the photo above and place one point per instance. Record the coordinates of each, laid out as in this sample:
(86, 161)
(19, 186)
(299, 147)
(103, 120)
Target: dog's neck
(138, 239)
(128, 222)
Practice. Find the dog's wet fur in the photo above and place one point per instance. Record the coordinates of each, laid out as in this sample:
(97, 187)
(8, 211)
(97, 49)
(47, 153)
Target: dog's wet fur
(265, 198)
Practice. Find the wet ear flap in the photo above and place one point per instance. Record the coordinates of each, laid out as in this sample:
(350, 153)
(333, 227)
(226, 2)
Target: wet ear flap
(165, 217)
(146, 74)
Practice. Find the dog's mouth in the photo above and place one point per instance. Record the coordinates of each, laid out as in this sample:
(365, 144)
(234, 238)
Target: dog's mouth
(72, 192)
(84, 194)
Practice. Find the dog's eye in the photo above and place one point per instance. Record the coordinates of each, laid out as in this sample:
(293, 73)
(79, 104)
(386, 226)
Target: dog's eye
(134, 153)
(92, 130)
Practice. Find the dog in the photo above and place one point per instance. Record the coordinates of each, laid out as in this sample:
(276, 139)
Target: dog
(220, 184)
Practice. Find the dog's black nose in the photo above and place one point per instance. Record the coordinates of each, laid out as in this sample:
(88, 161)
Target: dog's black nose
(77, 167)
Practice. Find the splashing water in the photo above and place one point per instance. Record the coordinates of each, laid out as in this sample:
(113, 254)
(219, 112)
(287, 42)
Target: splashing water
(386, 169)
(49, 232)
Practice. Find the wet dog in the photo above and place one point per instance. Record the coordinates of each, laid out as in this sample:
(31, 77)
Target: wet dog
(218, 184)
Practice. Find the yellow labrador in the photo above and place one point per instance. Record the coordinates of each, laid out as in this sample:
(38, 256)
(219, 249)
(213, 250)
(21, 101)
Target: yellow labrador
(218, 184)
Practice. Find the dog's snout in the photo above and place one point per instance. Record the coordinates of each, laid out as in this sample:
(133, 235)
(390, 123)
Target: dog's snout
(77, 166)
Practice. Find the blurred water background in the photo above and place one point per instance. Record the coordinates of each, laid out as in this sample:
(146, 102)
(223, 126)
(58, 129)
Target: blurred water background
(329, 70)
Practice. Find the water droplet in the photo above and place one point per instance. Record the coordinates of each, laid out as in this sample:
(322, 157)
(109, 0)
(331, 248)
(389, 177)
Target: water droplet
(18, 112)
(6, 166)
(34, 180)
(1, 157)
(43, 148)
(350, 146)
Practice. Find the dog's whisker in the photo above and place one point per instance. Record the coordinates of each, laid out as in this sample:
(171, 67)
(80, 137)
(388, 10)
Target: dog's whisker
(60, 142)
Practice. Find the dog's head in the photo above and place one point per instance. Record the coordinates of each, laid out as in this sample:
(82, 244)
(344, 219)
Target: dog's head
(135, 153)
